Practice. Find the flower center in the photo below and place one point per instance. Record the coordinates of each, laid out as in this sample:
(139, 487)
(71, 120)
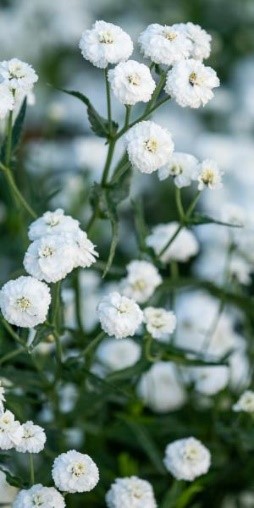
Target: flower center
(6, 420)
(46, 252)
(139, 285)
(23, 303)
(151, 145)
(170, 35)
(134, 79)
(191, 452)
(208, 176)
(123, 308)
(194, 79)
(37, 500)
(106, 38)
(52, 220)
(28, 433)
(16, 72)
(78, 469)
(176, 170)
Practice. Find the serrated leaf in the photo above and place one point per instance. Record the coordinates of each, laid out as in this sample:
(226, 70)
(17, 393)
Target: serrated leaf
(197, 219)
(16, 131)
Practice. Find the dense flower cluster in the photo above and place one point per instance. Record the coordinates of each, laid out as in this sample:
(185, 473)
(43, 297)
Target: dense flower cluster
(17, 79)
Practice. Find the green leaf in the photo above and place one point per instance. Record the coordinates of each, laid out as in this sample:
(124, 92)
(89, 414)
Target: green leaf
(13, 480)
(42, 332)
(198, 219)
(16, 131)
(99, 125)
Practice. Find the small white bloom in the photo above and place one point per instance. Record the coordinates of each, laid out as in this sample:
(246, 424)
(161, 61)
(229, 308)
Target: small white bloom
(200, 40)
(39, 496)
(190, 83)
(240, 270)
(6, 100)
(245, 403)
(164, 44)
(33, 439)
(141, 281)
(52, 223)
(11, 431)
(19, 75)
(75, 472)
(233, 214)
(25, 301)
(182, 248)
(160, 388)
(186, 459)
(118, 354)
(208, 380)
(105, 44)
(8, 493)
(182, 167)
(132, 82)
(85, 253)
(119, 316)
(160, 323)
(2, 398)
(149, 146)
(50, 258)
(130, 493)
(209, 175)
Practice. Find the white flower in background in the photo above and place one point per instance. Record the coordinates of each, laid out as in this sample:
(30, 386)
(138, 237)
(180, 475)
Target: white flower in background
(182, 248)
(208, 380)
(6, 99)
(209, 175)
(130, 492)
(52, 223)
(240, 270)
(164, 44)
(118, 354)
(186, 459)
(141, 281)
(50, 258)
(105, 44)
(233, 214)
(160, 323)
(25, 301)
(245, 403)
(182, 167)
(190, 83)
(160, 389)
(85, 253)
(33, 439)
(19, 75)
(39, 496)
(149, 146)
(200, 40)
(132, 82)
(119, 316)
(11, 431)
(8, 493)
(2, 397)
(75, 472)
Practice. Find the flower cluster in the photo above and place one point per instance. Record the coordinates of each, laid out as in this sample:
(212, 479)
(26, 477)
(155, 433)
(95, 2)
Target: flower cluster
(17, 79)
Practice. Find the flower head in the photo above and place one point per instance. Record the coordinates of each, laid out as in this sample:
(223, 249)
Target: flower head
(119, 316)
(200, 40)
(39, 496)
(164, 44)
(186, 459)
(182, 247)
(75, 472)
(182, 167)
(6, 99)
(33, 439)
(118, 354)
(52, 223)
(85, 253)
(130, 493)
(149, 146)
(132, 82)
(245, 402)
(25, 301)
(11, 431)
(160, 323)
(105, 44)
(19, 75)
(209, 175)
(141, 281)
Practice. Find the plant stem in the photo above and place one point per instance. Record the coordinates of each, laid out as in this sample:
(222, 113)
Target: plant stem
(108, 101)
(76, 286)
(20, 198)
(11, 355)
(93, 344)
(120, 172)
(156, 92)
(193, 204)
(32, 476)
(127, 117)
(173, 237)
(108, 161)
(179, 204)
(55, 320)
(9, 139)
(14, 335)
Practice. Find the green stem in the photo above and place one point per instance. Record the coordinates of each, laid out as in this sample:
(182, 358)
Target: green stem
(179, 204)
(9, 139)
(13, 334)
(120, 172)
(20, 198)
(55, 320)
(108, 101)
(92, 345)
(173, 237)
(108, 161)
(156, 92)
(11, 355)
(32, 476)
(192, 205)
(76, 286)
(148, 349)
(127, 117)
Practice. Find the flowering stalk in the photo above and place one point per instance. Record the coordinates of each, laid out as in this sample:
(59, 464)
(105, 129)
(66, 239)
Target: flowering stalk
(32, 475)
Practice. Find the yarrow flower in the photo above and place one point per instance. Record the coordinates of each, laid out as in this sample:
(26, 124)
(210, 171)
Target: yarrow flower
(2, 398)
(182, 167)
(11, 432)
(118, 354)
(33, 439)
(149, 146)
(39, 496)
(19, 75)
(75, 472)
(52, 223)
(190, 83)
(25, 301)
(6, 99)
(105, 43)
(209, 175)
(132, 82)
(141, 281)
(200, 40)
(130, 493)
(182, 247)
(85, 254)
(245, 402)
(119, 316)
(208, 380)
(164, 44)
(160, 323)
(186, 459)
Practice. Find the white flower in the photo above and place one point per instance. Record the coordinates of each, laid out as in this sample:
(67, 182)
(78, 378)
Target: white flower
(118, 354)
(160, 389)
(141, 281)
(132, 82)
(52, 223)
(25, 301)
(190, 83)
(200, 39)
(11, 431)
(233, 214)
(85, 253)
(8, 493)
(186, 459)
(119, 316)
(2, 398)
(149, 146)
(182, 248)
(6, 99)
(240, 270)
(209, 175)
(160, 323)
(245, 403)
(51, 258)
(208, 380)
(105, 44)
(39, 496)
(19, 76)
(164, 44)
(75, 472)
(33, 439)
(130, 493)
(182, 167)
